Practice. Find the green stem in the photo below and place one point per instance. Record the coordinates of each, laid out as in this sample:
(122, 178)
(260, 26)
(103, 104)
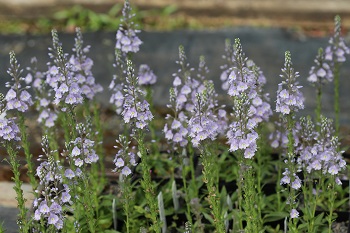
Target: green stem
(318, 108)
(193, 173)
(99, 146)
(152, 128)
(187, 195)
(210, 172)
(240, 184)
(331, 201)
(336, 97)
(250, 200)
(22, 216)
(127, 200)
(148, 187)
(28, 155)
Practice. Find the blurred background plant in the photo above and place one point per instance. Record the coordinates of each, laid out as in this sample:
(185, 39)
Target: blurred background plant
(166, 18)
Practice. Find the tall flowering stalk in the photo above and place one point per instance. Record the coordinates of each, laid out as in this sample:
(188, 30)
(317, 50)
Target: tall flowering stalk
(176, 129)
(53, 201)
(262, 116)
(242, 135)
(81, 155)
(9, 138)
(319, 160)
(136, 113)
(319, 75)
(124, 161)
(18, 99)
(335, 53)
(147, 79)
(204, 127)
(131, 103)
(260, 108)
(81, 66)
(289, 101)
(67, 94)
(68, 83)
(47, 114)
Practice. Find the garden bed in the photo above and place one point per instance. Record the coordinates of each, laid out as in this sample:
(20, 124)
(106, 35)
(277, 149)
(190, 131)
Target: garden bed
(214, 161)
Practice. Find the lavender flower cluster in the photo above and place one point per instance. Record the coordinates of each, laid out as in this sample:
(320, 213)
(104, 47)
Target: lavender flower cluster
(53, 200)
(124, 159)
(319, 150)
(127, 39)
(71, 79)
(197, 117)
(245, 83)
(196, 111)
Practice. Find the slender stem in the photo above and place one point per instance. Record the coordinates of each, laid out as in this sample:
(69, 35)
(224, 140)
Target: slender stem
(187, 195)
(210, 171)
(127, 200)
(28, 155)
(240, 184)
(22, 216)
(249, 201)
(336, 97)
(98, 145)
(332, 194)
(148, 187)
(318, 108)
(292, 170)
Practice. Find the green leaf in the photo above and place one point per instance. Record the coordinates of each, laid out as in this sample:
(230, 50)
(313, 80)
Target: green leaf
(340, 203)
(271, 217)
(168, 10)
(115, 10)
(208, 217)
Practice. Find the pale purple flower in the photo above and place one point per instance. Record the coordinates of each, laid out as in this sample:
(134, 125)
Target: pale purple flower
(177, 81)
(65, 197)
(52, 219)
(69, 174)
(296, 184)
(119, 163)
(146, 75)
(43, 208)
(126, 171)
(294, 213)
(75, 151)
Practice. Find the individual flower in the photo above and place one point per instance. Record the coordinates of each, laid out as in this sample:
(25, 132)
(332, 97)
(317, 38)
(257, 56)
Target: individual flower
(294, 213)
(146, 75)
